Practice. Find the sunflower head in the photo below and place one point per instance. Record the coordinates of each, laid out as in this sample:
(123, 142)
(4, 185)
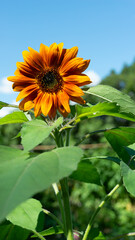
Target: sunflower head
(48, 79)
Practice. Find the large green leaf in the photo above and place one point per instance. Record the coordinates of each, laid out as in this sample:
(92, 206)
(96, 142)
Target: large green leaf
(26, 214)
(119, 138)
(111, 94)
(8, 153)
(14, 117)
(10, 232)
(50, 231)
(105, 108)
(35, 131)
(86, 172)
(21, 178)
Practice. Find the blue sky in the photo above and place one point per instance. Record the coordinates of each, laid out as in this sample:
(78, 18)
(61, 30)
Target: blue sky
(104, 31)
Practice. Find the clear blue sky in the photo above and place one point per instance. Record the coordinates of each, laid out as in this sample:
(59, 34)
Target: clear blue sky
(104, 30)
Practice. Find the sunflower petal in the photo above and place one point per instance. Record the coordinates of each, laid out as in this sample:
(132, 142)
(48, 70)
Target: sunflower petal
(37, 102)
(26, 91)
(73, 90)
(46, 103)
(79, 80)
(77, 99)
(63, 99)
(44, 51)
(26, 104)
(69, 54)
(75, 66)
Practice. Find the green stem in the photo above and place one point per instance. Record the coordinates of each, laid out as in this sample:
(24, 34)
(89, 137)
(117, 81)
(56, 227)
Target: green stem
(88, 135)
(58, 195)
(91, 221)
(65, 195)
(39, 235)
(53, 217)
(67, 137)
(67, 124)
(123, 235)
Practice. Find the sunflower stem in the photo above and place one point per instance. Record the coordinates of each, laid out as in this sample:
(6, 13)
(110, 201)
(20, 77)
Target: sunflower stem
(66, 203)
(65, 206)
(68, 219)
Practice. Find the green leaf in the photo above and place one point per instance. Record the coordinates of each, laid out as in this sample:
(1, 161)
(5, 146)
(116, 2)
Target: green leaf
(128, 178)
(35, 131)
(26, 215)
(3, 104)
(9, 154)
(14, 117)
(50, 231)
(21, 178)
(105, 108)
(111, 94)
(95, 234)
(119, 138)
(10, 232)
(86, 172)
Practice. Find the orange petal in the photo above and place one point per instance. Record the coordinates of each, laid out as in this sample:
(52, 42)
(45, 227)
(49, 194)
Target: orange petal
(75, 66)
(79, 80)
(46, 103)
(25, 70)
(54, 55)
(20, 79)
(16, 86)
(44, 51)
(37, 102)
(62, 111)
(26, 91)
(69, 54)
(78, 100)
(32, 61)
(26, 104)
(63, 99)
(37, 57)
(52, 112)
(73, 90)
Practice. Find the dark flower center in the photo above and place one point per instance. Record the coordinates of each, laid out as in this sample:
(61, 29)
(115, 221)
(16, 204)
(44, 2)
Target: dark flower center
(50, 81)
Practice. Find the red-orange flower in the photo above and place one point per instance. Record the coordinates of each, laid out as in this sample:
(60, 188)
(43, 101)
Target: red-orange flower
(48, 79)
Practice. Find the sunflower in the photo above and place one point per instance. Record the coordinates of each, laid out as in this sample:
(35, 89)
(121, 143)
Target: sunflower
(48, 79)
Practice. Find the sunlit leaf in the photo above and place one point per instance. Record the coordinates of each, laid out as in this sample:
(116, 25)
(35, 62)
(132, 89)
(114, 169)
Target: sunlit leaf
(21, 178)
(14, 117)
(35, 131)
(100, 109)
(111, 94)
(26, 214)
